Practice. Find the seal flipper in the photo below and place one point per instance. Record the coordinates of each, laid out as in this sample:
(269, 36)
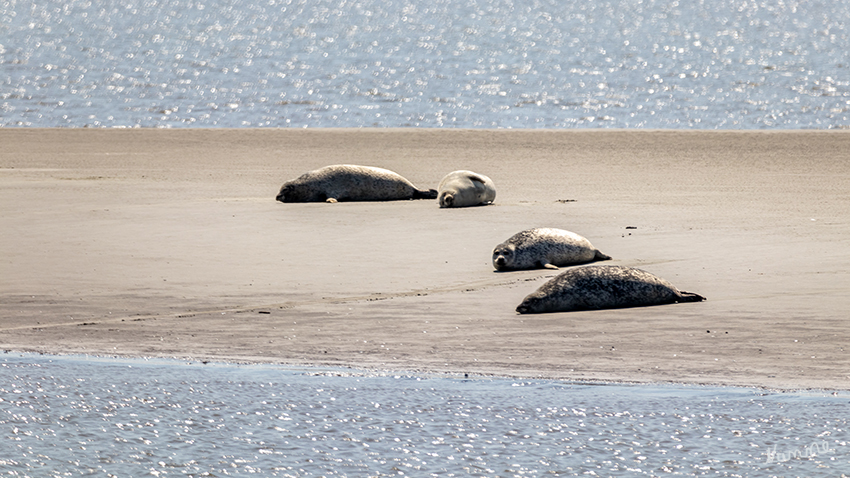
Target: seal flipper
(425, 194)
(689, 297)
(548, 265)
(601, 257)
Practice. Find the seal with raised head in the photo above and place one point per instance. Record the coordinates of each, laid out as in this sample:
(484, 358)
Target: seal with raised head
(346, 182)
(602, 287)
(544, 247)
(466, 188)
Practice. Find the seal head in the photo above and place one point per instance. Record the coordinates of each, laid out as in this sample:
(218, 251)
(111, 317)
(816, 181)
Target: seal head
(503, 256)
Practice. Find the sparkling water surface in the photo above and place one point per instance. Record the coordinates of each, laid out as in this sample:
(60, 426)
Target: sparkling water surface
(85, 416)
(729, 64)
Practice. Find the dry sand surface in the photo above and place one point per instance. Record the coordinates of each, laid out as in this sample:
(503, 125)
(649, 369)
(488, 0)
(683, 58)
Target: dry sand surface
(170, 243)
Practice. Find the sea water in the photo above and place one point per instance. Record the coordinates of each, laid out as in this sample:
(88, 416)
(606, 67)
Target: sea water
(87, 416)
(728, 64)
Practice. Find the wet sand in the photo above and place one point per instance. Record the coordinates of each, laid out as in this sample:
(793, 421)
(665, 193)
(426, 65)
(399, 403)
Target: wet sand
(169, 243)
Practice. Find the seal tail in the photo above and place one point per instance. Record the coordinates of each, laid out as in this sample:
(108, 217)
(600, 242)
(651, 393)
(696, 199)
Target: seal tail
(601, 257)
(425, 194)
(690, 297)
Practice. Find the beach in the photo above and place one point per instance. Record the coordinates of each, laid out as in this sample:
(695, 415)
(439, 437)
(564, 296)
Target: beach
(169, 243)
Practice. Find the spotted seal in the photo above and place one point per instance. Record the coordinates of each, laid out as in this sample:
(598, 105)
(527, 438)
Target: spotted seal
(346, 182)
(602, 287)
(544, 247)
(465, 188)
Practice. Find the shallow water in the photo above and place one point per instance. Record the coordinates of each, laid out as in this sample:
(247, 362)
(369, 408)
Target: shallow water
(91, 416)
(731, 64)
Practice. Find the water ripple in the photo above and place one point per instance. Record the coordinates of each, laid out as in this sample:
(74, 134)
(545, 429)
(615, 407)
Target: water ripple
(86, 415)
(730, 64)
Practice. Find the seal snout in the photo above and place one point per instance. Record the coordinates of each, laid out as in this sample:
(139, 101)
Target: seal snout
(503, 257)
(285, 194)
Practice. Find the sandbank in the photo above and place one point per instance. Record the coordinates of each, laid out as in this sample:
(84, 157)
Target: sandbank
(169, 243)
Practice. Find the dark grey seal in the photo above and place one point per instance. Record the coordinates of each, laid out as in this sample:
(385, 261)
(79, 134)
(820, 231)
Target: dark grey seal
(602, 287)
(544, 247)
(345, 182)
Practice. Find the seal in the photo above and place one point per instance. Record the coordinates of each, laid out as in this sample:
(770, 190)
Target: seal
(346, 182)
(602, 287)
(465, 188)
(544, 248)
